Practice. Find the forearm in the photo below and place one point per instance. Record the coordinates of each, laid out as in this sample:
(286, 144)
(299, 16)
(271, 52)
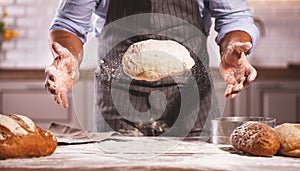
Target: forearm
(69, 41)
(231, 16)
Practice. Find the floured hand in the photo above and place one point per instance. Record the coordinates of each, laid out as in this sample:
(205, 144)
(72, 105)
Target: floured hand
(235, 69)
(62, 74)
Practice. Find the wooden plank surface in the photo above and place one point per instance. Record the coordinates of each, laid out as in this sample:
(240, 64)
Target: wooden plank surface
(146, 153)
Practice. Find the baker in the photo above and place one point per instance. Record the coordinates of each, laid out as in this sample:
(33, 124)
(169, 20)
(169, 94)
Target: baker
(161, 102)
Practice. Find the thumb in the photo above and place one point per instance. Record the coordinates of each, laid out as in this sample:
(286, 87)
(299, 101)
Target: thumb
(59, 49)
(252, 73)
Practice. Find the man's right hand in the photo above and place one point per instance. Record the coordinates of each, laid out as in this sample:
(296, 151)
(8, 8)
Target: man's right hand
(62, 74)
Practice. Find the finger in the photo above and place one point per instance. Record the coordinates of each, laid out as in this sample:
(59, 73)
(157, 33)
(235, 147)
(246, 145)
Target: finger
(51, 87)
(242, 58)
(59, 49)
(229, 77)
(50, 76)
(246, 84)
(236, 90)
(228, 90)
(57, 98)
(64, 99)
(252, 73)
(49, 73)
(240, 86)
(233, 95)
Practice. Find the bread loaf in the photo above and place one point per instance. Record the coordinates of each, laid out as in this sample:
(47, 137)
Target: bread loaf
(20, 137)
(152, 60)
(255, 138)
(289, 136)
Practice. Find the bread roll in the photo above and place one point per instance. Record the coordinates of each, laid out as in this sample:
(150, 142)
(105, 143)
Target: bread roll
(289, 136)
(255, 138)
(152, 60)
(20, 137)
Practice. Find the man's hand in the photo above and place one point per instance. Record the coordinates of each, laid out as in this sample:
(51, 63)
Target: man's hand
(235, 68)
(62, 74)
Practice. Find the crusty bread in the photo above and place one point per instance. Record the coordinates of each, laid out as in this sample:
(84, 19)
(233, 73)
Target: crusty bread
(20, 137)
(152, 60)
(255, 138)
(289, 136)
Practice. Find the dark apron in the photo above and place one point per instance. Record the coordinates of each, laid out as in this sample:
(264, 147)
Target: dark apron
(172, 106)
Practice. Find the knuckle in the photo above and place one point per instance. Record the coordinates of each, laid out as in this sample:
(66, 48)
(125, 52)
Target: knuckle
(47, 84)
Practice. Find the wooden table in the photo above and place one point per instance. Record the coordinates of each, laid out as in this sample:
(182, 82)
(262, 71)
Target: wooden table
(150, 153)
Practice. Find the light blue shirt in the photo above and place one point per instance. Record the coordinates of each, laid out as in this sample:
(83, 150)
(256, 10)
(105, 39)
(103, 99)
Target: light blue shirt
(75, 16)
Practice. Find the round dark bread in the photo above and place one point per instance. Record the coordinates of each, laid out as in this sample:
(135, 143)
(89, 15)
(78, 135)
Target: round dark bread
(255, 138)
(289, 136)
(20, 137)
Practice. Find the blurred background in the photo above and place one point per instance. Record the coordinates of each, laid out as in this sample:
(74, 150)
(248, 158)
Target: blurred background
(31, 19)
(275, 93)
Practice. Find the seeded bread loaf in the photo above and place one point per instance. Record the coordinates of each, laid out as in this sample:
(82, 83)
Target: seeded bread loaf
(255, 138)
(289, 136)
(20, 137)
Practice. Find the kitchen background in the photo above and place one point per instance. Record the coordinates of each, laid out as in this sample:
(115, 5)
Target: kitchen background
(276, 93)
(31, 18)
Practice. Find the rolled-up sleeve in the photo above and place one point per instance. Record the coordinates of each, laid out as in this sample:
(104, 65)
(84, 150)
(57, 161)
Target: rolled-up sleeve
(75, 16)
(231, 15)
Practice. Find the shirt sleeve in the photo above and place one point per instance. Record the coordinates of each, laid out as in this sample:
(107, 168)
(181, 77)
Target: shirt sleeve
(231, 15)
(75, 16)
